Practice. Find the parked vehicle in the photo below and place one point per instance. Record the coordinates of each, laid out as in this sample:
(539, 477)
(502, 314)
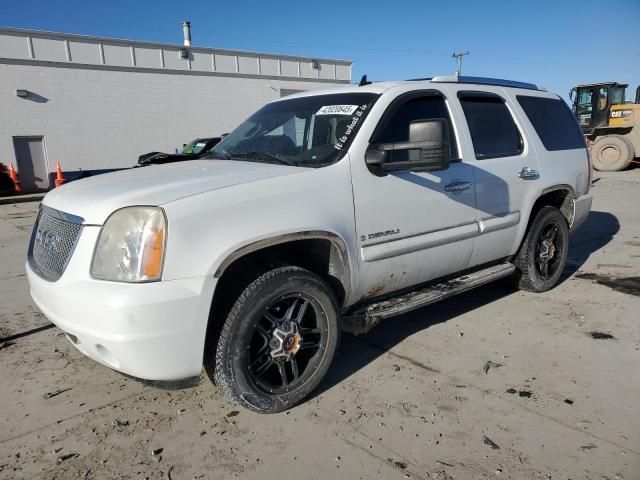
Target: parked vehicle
(325, 211)
(198, 148)
(610, 125)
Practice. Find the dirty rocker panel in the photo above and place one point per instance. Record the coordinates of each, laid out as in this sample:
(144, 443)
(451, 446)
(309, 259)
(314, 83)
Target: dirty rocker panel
(365, 317)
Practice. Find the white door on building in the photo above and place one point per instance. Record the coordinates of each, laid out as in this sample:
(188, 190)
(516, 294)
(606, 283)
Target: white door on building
(31, 160)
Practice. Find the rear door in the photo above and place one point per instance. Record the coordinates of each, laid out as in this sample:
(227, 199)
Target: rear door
(506, 170)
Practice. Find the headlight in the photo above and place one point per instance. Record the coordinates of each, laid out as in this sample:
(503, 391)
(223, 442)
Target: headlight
(131, 246)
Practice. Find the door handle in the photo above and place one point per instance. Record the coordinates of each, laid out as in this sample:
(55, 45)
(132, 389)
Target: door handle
(528, 173)
(457, 186)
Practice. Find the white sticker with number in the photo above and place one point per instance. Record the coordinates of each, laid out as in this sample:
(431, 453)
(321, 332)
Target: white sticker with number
(337, 110)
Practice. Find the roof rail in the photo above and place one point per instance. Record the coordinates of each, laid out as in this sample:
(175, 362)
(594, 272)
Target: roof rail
(485, 81)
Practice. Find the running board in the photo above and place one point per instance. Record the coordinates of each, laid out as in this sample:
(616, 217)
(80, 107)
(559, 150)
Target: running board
(368, 316)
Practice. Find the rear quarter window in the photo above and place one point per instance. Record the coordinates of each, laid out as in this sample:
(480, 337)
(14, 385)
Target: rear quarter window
(553, 121)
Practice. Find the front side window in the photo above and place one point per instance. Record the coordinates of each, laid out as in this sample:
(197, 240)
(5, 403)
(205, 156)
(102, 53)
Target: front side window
(585, 101)
(396, 127)
(493, 131)
(309, 131)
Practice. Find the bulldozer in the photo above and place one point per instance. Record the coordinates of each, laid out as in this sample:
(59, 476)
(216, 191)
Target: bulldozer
(611, 127)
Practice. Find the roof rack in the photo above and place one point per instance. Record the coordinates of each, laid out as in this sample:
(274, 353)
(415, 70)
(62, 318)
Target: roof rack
(485, 81)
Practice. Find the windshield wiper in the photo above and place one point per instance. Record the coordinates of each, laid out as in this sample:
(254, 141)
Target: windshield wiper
(264, 156)
(218, 155)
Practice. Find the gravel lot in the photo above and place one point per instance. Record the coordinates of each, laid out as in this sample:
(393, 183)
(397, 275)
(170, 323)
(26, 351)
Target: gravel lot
(415, 398)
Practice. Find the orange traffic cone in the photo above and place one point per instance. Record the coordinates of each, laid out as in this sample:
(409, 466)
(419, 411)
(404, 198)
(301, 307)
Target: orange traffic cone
(59, 178)
(14, 178)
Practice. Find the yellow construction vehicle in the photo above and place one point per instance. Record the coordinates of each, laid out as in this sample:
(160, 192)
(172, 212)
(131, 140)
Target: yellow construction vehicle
(610, 126)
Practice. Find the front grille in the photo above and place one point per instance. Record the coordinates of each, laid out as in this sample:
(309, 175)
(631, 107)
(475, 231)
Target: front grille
(53, 240)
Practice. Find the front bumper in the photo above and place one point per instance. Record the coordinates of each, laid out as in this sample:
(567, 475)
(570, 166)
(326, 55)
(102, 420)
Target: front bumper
(152, 331)
(581, 209)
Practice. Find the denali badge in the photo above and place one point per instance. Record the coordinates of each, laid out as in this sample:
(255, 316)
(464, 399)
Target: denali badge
(48, 240)
(371, 236)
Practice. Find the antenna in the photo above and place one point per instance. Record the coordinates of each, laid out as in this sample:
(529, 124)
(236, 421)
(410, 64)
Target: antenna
(458, 57)
(364, 81)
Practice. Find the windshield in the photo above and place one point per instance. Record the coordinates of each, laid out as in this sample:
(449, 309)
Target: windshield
(309, 131)
(194, 147)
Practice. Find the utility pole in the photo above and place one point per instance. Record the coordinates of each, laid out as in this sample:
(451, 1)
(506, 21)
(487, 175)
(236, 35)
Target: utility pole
(458, 57)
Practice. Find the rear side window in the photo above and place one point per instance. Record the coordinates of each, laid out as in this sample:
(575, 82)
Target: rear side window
(493, 132)
(553, 121)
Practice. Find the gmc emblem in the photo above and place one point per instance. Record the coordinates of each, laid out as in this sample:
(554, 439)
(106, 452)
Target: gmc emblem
(48, 240)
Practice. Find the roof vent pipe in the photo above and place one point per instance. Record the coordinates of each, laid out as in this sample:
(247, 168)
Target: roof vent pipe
(186, 31)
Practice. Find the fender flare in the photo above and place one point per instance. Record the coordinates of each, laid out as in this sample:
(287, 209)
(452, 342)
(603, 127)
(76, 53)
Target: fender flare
(568, 206)
(336, 240)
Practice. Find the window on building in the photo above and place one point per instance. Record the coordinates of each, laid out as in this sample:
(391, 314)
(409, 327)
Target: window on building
(553, 121)
(493, 131)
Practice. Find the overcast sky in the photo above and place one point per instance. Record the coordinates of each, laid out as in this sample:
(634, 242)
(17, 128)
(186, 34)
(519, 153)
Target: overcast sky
(553, 43)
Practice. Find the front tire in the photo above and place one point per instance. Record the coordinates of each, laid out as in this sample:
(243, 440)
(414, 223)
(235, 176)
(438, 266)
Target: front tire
(277, 342)
(612, 153)
(542, 256)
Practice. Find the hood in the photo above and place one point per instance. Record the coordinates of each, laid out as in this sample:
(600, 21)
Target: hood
(95, 198)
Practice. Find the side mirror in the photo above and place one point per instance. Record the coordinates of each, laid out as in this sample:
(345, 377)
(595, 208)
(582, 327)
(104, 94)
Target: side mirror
(427, 149)
(375, 157)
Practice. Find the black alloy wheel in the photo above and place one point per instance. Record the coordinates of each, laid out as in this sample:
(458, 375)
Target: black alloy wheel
(542, 256)
(286, 342)
(277, 341)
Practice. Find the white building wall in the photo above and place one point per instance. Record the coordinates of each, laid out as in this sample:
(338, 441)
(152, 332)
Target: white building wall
(100, 103)
(92, 119)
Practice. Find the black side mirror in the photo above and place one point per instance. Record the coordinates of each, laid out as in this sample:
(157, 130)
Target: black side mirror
(427, 149)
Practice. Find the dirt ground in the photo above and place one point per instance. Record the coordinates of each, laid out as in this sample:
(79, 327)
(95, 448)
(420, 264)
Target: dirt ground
(415, 398)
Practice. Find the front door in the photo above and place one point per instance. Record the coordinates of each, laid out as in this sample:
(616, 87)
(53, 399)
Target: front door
(592, 107)
(412, 226)
(506, 170)
(33, 171)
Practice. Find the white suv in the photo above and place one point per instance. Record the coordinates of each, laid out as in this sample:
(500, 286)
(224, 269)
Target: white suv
(325, 211)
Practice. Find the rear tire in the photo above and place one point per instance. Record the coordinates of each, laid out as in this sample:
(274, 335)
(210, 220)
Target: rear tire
(543, 253)
(612, 153)
(277, 341)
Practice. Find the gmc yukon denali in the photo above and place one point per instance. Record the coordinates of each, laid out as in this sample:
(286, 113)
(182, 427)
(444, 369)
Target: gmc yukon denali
(323, 212)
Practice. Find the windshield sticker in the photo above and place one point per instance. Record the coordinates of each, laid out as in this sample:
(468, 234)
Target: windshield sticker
(337, 110)
(351, 126)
